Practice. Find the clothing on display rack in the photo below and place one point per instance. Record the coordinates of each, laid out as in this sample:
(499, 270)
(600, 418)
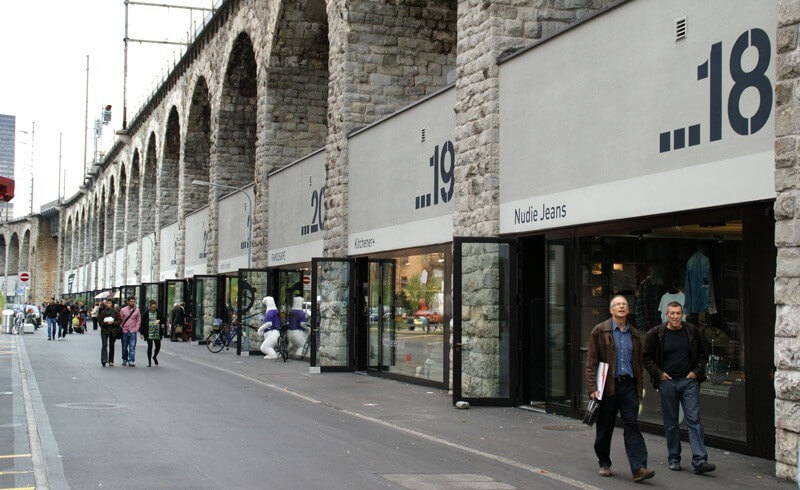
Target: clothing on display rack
(646, 311)
(699, 285)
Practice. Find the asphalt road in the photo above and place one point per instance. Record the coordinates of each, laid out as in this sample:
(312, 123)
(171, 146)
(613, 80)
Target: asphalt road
(202, 420)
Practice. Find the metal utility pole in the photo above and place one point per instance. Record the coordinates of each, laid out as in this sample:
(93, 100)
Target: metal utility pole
(125, 74)
(59, 167)
(33, 134)
(86, 120)
(150, 41)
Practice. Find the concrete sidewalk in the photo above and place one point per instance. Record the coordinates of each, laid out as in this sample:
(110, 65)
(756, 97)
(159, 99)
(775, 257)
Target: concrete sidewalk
(510, 436)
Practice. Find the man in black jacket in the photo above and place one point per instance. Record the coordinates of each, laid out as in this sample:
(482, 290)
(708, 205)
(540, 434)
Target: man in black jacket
(110, 331)
(675, 355)
(51, 314)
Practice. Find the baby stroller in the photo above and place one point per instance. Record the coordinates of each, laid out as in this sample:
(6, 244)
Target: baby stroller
(78, 324)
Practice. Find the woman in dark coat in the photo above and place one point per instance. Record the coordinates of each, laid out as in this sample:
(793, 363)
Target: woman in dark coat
(64, 319)
(151, 329)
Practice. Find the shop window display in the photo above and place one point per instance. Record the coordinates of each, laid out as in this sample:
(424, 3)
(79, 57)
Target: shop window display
(419, 323)
(699, 266)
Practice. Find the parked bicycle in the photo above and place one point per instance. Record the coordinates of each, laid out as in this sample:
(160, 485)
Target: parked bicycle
(221, 336)
(283, 342)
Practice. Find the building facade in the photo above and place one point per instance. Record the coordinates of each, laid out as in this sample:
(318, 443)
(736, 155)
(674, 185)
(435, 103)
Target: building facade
(451, 193)
(8, 138)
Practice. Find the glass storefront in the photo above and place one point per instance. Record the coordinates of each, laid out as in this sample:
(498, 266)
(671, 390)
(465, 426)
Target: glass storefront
(331, 313)
(252, 288)
(151, 291)
(294, 288)
(407, 313)
(699, 266)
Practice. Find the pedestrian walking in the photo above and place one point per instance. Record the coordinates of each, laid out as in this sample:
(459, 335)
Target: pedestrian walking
(614, 342)
(51, 315)
(64, 319)
(95, 312)
(130, 321)
(152, 330)
(178, 318)
(110, 331)
(675, 355)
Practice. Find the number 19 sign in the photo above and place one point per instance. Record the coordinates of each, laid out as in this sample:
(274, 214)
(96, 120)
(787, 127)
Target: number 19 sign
(443, 163)
(712, 70)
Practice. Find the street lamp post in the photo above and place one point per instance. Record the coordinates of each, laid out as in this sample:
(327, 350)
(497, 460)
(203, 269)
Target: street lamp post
(249, 238)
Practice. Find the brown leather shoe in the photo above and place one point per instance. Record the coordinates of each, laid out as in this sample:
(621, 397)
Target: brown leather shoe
(643, 474)
(605, 471)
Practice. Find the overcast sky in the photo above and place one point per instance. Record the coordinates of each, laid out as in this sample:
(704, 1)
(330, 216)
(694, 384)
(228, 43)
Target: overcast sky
(43, 48)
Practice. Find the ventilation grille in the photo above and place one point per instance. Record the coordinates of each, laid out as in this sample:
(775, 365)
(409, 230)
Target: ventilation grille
(422, 135)
(680, 29)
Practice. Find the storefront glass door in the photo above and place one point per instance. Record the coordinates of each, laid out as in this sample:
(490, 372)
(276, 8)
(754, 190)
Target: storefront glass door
(558, 384)
(381, 329)
(331, 334)
(205, 306)
(484, 326)
(253, 285)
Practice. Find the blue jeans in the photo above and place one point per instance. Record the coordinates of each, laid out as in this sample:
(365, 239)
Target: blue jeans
(626, 402)
(685, 391)
(129, 347)
(52, 328)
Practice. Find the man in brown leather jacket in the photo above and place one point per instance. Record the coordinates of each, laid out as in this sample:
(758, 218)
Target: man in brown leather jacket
(617, 344)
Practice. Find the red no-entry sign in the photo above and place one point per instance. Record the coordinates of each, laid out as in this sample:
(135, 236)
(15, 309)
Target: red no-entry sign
(24, 276)
(306, 280)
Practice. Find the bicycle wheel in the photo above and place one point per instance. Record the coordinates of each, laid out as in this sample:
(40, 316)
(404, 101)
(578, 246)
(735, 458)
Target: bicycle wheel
(18, 327)
(283, 344)
(214, 342)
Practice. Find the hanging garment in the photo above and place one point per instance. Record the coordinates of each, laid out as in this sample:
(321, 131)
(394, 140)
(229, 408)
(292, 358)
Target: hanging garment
(699, 286)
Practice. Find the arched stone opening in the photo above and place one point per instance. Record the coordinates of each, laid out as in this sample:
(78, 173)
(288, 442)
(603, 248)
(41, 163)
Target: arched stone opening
(101, 224)
(168, 176)
(12, 263)
(2, 255)
(25, 252)
(109, 218)
(132, 199)
(297, 83)
(235, 142)
(148, 198)
(197, 151)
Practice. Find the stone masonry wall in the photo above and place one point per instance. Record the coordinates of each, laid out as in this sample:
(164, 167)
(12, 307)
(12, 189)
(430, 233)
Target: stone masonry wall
(787, 239)
(294, 108)
(486, 32)
(383, 57)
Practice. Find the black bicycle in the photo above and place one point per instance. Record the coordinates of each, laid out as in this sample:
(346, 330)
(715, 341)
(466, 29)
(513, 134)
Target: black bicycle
(222, 336)
(283, 342)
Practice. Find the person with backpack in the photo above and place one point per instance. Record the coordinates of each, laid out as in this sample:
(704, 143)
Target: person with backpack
(130, 321)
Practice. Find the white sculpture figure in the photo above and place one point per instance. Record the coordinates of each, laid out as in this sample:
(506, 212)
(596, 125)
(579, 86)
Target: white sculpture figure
(297, 332)
(270, 329)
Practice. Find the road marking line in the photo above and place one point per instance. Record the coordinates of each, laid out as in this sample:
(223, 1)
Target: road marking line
(40, 475)
(18, 488)
(22, 472)
(9, 456)
(477, 452)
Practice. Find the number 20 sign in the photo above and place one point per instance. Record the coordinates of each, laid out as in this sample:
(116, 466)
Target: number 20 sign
(712, 70)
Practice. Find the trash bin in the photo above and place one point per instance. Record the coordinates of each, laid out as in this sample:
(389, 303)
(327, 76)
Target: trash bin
(8, 321)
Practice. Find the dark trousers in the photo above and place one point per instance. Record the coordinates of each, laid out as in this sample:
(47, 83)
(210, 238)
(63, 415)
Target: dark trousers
(106, 347)
(150, 353)
(626, 403)
(62, 329)
(686, 392)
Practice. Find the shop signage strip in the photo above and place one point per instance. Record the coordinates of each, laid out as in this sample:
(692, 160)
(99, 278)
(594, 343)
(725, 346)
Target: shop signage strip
(406, 235)
(736, 180)
(296, 254)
